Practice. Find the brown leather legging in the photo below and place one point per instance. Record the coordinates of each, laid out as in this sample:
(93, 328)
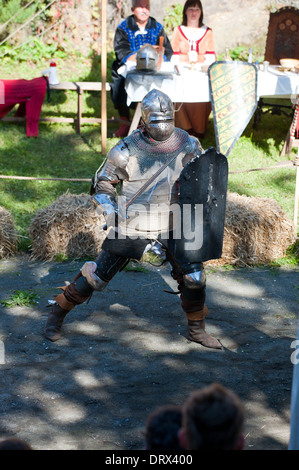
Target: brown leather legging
(192, 300)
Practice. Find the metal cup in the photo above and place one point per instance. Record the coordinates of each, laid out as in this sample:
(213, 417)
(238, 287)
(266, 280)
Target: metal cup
(266, 65)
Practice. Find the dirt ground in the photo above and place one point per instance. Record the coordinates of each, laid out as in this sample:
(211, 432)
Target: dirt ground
(126, 352)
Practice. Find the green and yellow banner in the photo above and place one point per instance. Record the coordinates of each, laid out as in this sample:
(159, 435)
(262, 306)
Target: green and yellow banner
(233, 88)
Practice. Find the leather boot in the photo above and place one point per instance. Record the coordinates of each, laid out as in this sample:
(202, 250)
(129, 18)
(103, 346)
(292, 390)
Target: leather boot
(65, 302)
(54, 322)
(198, 334)
(57, 314)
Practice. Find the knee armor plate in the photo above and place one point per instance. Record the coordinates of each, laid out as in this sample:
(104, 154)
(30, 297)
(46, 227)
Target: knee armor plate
(196, 278)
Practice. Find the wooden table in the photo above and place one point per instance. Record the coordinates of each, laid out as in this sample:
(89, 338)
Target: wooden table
(193, 86)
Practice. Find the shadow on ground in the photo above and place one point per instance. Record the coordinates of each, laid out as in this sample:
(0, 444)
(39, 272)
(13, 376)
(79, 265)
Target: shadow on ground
(125, 352)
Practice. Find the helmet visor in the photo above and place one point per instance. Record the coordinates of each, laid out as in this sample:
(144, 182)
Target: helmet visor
(160, 130)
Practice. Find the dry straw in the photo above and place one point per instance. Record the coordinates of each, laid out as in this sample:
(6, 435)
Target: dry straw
(8, 234)
(257, 230)
(70, 227)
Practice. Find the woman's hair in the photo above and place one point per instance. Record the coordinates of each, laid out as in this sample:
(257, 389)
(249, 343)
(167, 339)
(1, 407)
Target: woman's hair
(192, 3)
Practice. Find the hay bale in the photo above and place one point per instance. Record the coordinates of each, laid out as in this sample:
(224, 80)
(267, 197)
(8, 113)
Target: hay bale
(8, 234)
(70, 226)
(256, 231)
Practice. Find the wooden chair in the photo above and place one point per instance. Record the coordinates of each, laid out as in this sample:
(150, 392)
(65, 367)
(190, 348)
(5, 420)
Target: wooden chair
(283, 35)
(282, 43)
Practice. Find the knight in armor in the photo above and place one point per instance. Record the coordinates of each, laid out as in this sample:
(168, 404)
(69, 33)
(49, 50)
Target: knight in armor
(157, 147)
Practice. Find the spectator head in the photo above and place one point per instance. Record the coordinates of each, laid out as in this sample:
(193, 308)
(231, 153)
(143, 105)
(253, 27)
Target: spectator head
(162, 427)
(13, 443)
(140, 4)
(192, 4)
(213, 419)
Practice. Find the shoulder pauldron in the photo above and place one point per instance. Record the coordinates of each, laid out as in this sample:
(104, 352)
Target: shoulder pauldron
(117, 160)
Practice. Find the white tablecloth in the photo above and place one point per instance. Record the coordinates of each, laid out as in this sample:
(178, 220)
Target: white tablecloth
(275, 83)
(192, 86)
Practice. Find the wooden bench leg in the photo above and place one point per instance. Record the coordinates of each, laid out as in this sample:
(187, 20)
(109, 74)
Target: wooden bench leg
(79, 111)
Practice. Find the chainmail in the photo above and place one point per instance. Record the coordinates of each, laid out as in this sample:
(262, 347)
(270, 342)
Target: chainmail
(146, 157)
(148, 150)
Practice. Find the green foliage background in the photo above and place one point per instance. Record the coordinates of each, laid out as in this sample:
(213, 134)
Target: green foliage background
(8, 8)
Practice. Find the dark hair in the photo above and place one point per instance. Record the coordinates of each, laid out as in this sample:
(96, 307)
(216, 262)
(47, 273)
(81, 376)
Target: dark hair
(162, 427)
(213, 419)
(14, 443)
(192, 3)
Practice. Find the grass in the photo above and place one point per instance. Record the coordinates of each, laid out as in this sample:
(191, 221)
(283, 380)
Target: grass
(291, 259)
(61, 153)
(20, 298)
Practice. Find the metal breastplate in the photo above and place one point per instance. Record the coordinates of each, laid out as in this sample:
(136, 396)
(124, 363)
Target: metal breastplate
(150, 212)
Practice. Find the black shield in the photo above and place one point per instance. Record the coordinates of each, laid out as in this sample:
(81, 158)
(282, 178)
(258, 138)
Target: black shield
(198, 233)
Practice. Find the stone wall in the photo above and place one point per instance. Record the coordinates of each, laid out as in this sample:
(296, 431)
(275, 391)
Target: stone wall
(234, 22)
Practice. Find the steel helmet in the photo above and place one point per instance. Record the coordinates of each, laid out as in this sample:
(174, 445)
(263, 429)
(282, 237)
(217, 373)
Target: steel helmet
(157, 113)
(147, 59)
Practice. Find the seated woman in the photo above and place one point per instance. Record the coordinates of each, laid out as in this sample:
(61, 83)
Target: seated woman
(193, 42)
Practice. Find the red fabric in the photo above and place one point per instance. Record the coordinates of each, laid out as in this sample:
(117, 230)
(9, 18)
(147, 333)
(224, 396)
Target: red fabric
(30, 95)
(297, 127)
